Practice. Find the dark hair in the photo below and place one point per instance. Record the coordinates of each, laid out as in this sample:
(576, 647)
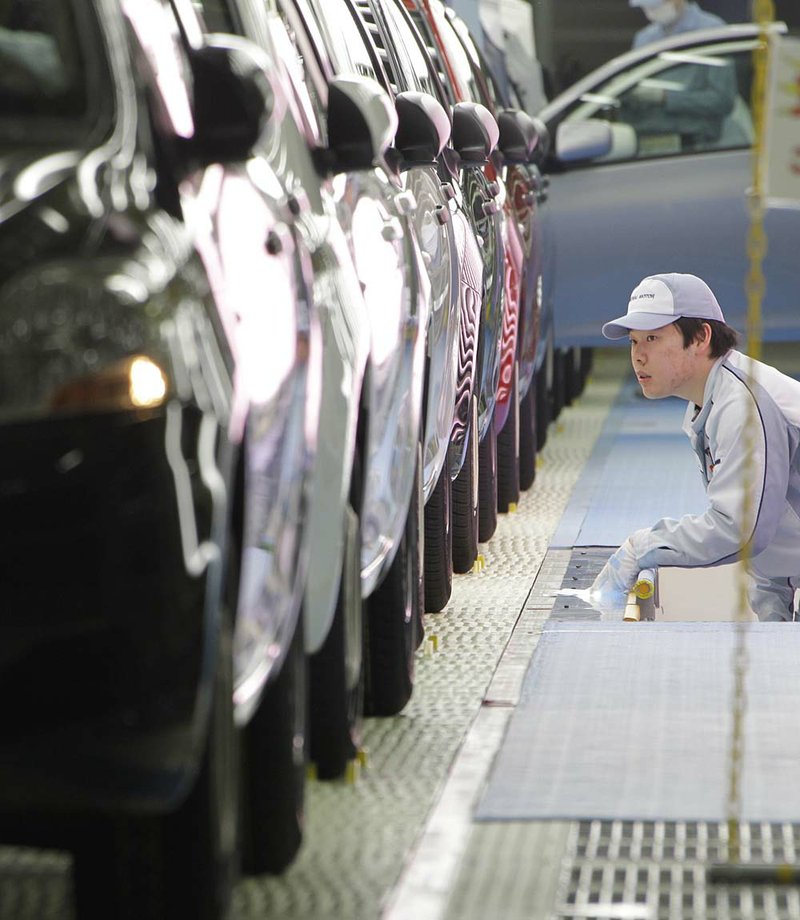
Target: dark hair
(723, 338)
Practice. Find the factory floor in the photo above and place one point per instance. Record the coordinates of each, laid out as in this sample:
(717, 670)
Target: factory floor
(401, 842)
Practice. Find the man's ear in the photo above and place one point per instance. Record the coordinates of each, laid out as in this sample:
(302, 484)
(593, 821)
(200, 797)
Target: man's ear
(703, 338)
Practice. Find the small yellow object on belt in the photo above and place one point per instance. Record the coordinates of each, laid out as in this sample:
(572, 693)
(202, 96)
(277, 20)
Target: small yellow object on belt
(645, 585)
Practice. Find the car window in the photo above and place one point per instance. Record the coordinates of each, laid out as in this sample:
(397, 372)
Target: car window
(345, 39)
(304, 99)
(41, 69)
(217, 16)
(482, 74)
(159, 40)
(677, 102)
(456, 56)
(407, 47)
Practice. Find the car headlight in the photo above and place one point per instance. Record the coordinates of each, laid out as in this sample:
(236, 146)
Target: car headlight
(77, 348)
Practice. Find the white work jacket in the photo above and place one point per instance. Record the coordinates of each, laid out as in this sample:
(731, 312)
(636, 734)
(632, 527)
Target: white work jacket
(746, 436)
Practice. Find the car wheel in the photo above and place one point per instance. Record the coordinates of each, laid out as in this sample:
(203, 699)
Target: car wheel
(182, 864)
(527, 438)
(336, 670)
(573, 378)
(543, 412)
(508, 452)
(394, 618)
(464, 501)
(438, 545)
(274, 767)
(487, 485)
(586, 360)
(558, 395)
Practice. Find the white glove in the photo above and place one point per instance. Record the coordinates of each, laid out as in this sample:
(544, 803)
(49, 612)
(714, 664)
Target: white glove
(618, 576)
(646, 95)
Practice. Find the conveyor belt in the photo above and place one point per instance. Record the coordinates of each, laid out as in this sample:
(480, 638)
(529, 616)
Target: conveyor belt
(641, 444)
(633, 722)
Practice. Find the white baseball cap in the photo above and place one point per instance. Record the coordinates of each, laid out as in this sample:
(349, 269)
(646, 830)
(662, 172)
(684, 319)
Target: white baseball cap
(659, 300)
(646, 2)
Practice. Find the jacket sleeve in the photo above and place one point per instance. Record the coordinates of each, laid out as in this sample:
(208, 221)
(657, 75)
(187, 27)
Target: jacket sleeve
(710, 93)
(750, 449)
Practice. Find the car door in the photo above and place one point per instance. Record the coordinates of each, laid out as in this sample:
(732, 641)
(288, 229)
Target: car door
(671, 192)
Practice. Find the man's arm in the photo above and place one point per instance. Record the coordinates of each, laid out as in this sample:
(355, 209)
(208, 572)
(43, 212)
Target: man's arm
(710, 93)
(716, 536)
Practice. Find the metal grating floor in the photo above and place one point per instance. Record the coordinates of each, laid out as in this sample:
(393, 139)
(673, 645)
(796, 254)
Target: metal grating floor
(614, 870)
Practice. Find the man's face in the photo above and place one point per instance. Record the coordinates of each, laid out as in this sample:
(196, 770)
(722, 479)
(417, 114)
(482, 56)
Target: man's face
(664, 13)
(663, 366)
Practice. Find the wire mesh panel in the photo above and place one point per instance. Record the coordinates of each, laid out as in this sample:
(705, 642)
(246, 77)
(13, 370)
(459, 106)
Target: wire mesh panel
(656, 870)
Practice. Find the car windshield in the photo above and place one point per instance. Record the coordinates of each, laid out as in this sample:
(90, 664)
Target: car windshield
(42, 73)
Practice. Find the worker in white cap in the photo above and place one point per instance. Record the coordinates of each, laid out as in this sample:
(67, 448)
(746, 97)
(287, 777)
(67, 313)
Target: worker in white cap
(671, 17)
(681, 346)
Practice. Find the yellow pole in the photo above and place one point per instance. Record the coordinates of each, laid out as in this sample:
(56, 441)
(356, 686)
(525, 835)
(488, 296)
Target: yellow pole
(764, 14)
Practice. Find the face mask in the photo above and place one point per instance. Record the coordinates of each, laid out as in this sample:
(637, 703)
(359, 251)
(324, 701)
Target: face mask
(664, 14)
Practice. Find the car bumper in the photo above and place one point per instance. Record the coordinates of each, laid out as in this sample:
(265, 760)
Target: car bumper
(104, 629)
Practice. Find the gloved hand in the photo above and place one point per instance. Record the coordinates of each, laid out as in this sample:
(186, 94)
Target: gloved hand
(610, 589)
(646, 95)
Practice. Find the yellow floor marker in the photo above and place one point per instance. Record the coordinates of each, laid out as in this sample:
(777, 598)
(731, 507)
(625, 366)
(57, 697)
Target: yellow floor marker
(352, 772)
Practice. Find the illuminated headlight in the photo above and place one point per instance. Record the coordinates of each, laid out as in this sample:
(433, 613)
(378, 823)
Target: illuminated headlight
(67, 348)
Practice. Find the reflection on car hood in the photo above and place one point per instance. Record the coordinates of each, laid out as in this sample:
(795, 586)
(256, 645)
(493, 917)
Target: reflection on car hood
(44, 205)
(27, 174)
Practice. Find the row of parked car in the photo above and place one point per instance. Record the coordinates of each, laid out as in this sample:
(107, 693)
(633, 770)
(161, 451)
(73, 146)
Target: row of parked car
(274, 355)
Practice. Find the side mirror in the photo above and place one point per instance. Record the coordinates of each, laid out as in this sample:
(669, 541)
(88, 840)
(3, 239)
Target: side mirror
(583, 140)
(361, 124)
(519, 137)
(423, 128)
(543, 147)
(475, 132)
(233, 100)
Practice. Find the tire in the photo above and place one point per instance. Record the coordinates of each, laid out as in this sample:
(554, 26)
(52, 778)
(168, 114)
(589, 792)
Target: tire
(181, 864)
(558, 396)
(394, 619)
(573, 381)
(543, 416)
(487, 486)
(527, 437)
(336, 672)
(464, 502)
(274, 768)
(586, 361)
(438, 546)
(508, 453)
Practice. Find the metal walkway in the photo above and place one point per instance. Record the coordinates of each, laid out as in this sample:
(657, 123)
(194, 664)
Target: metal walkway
(401, 844)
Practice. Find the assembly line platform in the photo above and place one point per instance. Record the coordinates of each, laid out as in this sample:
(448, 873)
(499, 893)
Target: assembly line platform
(551, 765)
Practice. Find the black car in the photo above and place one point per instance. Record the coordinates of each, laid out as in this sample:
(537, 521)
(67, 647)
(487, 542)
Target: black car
(158, 426)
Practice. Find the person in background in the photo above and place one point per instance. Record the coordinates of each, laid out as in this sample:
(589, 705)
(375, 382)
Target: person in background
(743, 422)
(689, 115)
(671, 17)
